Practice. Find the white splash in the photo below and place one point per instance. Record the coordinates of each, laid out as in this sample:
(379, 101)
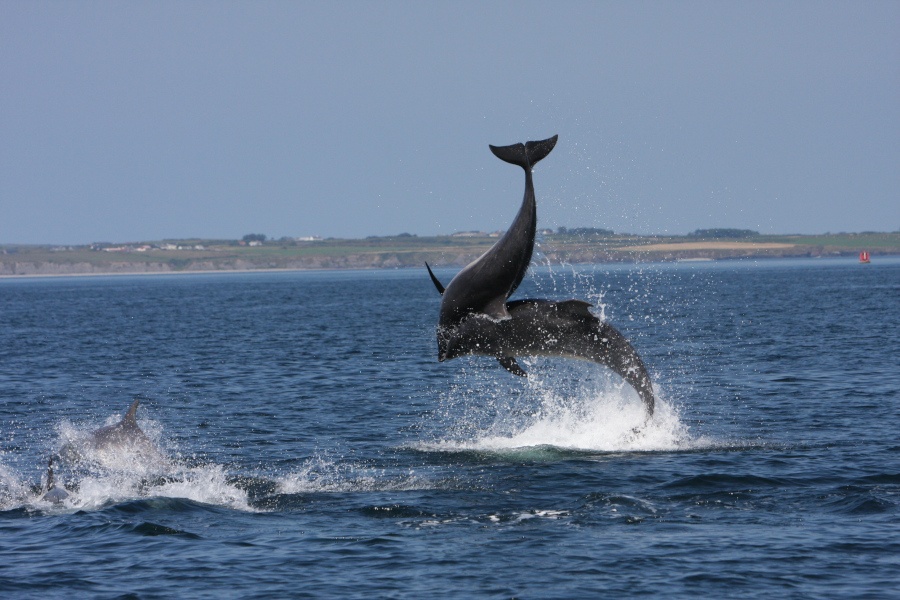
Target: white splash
(97, 477)
(603, 416)
(207, 484)
(13, 492)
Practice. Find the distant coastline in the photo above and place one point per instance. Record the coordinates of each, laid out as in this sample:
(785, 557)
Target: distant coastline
(585, 246)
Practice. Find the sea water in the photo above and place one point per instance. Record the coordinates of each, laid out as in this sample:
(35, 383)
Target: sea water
(312, 446)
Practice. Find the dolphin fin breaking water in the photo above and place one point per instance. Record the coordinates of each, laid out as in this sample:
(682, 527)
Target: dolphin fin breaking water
(54, 493)
(477, 319)
(125, 432)
(124, 438)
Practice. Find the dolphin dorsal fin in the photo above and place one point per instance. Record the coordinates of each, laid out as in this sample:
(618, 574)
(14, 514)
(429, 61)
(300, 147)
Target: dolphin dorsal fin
(130, 415)
(434, 280)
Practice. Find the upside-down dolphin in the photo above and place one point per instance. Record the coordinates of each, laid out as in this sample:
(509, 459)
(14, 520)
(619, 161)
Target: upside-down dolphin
(477, 318)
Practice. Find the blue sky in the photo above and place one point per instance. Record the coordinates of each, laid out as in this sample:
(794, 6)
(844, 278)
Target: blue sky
(130, 121)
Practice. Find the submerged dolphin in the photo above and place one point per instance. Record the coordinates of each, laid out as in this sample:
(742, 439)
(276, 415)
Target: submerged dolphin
(476, 317)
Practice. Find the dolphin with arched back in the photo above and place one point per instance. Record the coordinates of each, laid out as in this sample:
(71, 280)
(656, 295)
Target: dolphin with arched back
(118, 439)
(124, 433)
(476, 316)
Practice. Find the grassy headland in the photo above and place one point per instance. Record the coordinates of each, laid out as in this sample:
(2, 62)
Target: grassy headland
(563, 246)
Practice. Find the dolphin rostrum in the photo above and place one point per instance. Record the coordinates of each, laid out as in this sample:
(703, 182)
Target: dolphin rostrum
(477, 318)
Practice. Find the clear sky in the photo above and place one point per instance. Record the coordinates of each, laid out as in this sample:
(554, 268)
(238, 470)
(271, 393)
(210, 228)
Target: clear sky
(130, 121)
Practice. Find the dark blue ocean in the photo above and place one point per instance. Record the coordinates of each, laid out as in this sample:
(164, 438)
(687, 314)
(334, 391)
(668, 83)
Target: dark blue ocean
(312, 445)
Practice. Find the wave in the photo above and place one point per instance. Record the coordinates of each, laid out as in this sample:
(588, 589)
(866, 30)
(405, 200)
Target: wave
(321, 474)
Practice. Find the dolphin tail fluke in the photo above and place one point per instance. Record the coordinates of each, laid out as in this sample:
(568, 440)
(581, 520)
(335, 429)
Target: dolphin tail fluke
(132, 411)
(525, 155)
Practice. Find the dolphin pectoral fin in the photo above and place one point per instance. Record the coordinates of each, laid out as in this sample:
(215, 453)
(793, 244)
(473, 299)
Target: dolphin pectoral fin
(509, 363)
(525, 155)
(435, 281)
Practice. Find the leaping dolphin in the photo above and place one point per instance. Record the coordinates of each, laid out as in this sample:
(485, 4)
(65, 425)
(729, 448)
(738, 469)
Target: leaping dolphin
(477, 318)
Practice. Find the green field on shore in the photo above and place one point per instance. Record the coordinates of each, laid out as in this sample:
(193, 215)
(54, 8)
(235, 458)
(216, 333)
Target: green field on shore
(410, 250)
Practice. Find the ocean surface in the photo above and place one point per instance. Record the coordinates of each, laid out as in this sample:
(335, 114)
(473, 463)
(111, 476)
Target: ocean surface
(312, 446)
